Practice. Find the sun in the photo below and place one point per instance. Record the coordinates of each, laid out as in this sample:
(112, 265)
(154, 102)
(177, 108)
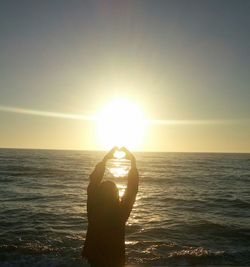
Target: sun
(120, 123)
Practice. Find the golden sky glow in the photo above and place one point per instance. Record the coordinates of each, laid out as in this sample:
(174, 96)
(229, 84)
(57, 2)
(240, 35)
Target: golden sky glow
(120, 123)
(153, 76)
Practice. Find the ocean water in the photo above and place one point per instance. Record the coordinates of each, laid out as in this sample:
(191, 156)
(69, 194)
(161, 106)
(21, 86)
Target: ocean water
(191, 209)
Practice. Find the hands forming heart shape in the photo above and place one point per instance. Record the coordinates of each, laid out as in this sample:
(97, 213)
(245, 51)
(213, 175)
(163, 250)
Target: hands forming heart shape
(119, 153)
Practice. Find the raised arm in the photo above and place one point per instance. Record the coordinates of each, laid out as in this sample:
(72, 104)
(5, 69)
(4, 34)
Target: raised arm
(96, 176)
(95, 179)
(129, 196)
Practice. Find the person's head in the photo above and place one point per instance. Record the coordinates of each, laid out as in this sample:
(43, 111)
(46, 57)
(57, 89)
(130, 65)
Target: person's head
(107, 202)
(108, 193)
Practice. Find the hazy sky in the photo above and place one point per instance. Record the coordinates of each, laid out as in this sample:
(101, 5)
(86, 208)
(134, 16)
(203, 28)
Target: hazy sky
(179, 60)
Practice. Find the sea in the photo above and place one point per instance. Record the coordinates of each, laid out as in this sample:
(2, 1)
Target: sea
(192, 209)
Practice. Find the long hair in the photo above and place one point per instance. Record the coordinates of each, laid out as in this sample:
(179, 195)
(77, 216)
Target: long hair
(107, 202)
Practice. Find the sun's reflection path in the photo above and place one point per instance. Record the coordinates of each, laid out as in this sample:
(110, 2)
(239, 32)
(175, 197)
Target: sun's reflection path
(121, 189)
(117, 170)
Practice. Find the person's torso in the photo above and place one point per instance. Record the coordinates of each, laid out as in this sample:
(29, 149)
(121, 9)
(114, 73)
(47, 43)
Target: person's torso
(105, 239)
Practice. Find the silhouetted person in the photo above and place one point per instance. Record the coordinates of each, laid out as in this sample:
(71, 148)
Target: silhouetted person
(107, 214)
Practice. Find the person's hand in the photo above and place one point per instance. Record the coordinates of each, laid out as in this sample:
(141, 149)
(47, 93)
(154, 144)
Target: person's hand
(128, 155)
(110, 154)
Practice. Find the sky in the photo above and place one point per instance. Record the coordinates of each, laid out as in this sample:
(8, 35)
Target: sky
(182, 61)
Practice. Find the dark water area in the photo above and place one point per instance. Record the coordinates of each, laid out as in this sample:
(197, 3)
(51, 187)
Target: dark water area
(191, 208)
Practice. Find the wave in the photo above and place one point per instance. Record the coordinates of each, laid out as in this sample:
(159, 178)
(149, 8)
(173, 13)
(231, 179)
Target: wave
(171, 254)
(191, 209)
(139, 252)
(29, 248)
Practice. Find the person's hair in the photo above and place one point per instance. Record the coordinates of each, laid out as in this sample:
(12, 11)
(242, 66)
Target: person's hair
(107, 201)
(108, 192)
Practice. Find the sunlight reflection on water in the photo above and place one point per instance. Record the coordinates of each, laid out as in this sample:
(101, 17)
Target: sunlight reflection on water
(121, 189)
(118, 168)
(185, 202)
(118, 172)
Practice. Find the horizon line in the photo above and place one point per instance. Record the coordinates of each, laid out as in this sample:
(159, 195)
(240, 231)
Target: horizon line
(136, 151)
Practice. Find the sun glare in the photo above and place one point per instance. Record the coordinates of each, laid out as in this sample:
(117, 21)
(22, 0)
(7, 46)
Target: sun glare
(120, 123)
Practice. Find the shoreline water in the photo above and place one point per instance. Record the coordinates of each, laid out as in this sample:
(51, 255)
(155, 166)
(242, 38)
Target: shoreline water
(191, 209)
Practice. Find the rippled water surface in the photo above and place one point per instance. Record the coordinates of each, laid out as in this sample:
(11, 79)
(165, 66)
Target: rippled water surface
(190, 209)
